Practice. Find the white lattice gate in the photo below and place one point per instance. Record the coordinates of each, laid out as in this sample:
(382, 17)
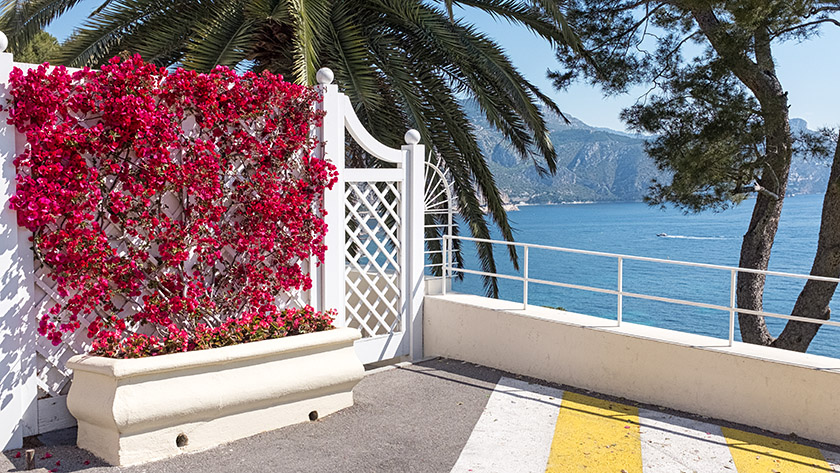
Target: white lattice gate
(373, 272)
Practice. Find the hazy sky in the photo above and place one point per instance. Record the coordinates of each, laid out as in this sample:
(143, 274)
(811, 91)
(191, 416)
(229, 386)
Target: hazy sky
(810, 71)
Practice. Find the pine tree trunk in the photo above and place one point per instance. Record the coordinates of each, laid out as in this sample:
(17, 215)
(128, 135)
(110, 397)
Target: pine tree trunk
(816, 295)
(758, 241)
(760, 77)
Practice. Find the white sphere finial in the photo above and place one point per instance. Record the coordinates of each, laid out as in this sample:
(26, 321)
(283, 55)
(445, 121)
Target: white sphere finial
(324, 76)
(412, 137)
(4, 42)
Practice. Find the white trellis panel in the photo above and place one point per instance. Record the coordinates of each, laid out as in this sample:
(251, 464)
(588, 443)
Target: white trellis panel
(375, 263)
(373, 270)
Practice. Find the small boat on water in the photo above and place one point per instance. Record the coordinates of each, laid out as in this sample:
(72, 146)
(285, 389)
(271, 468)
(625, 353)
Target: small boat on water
(661, 234)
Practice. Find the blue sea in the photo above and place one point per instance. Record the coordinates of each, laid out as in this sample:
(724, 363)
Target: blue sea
(632, 228)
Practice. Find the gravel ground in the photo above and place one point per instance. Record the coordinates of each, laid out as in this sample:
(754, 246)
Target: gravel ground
(413, 418)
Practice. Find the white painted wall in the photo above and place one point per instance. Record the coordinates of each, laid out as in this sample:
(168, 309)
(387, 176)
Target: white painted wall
(18, 388)
(773, 389)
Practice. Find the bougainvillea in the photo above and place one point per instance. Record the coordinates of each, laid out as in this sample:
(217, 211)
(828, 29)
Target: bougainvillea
(248, 328)
(167, 203)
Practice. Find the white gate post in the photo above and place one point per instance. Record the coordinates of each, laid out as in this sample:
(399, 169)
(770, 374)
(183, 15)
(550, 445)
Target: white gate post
(18, 387)
(331, 273)
(415, 242)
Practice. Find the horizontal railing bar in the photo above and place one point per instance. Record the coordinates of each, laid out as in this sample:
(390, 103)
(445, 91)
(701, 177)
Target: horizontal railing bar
(701, 305)
(482, 273)
(437, 239)
(760, 313)
(648, 259)
(573, 286)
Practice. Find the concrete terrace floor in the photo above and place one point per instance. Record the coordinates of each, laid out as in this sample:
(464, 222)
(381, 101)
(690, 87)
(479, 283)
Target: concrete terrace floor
(444, 415)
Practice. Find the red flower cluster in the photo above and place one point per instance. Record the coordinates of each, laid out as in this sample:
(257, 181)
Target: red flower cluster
(167, 201)
(248, 328)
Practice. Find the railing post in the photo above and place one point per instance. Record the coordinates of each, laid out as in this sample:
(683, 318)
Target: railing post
(415, 241)
(525, 281)
(18, 416)
(331, 275)
(620, 311)
(444, 267)
(732, 305)
(449, 253)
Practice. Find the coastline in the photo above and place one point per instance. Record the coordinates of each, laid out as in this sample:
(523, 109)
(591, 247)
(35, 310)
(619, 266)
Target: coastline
(587, 202)
(514, 207)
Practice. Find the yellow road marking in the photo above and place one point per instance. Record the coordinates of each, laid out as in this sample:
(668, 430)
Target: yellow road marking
(756, 453)
(596, 436)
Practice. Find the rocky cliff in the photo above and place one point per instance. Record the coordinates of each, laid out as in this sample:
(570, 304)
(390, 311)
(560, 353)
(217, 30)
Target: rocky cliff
(598, 164)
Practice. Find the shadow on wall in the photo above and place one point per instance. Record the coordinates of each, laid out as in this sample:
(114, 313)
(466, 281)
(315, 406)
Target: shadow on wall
(18, 390)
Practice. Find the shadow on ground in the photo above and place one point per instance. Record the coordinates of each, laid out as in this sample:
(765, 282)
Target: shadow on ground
(408, 418)
(413, 418)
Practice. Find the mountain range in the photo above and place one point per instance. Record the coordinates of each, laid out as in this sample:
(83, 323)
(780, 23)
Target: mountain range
(597, 164)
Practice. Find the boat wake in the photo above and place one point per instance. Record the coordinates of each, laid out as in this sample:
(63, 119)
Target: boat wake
(686, 237)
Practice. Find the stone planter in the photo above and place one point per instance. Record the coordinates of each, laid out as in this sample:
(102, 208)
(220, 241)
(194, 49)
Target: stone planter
(140, 410)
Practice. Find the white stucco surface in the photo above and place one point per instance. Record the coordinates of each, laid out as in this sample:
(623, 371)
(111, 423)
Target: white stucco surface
(777, 390)
(132, 411)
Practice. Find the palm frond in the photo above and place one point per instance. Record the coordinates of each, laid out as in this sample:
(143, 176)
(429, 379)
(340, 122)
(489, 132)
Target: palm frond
(311, 19)
(21, 20)
(103, 35)
(222, 39)
(403, 63)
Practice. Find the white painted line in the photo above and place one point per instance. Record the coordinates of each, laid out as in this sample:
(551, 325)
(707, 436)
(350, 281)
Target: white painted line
(833, 459)
(672, 444)
(513, 434)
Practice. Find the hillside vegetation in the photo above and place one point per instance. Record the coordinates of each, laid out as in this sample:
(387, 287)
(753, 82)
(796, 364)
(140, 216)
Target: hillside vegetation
(599, 164)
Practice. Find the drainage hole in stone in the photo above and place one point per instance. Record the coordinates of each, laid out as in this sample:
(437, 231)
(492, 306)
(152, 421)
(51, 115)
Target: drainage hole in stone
(181, 440)
(313, 415)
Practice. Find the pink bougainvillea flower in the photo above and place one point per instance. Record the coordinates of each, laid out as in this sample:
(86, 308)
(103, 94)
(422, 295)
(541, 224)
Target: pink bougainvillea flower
(162, 201)
(47, 455)
(17, 455)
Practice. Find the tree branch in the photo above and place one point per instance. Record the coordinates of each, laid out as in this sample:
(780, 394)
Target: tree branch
(741, 65)
(763, 54)
(776, 34)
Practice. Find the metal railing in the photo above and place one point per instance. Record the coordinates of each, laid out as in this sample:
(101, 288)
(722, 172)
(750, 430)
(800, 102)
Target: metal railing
(620, 293)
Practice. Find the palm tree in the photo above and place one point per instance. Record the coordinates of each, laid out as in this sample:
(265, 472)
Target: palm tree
(403, 63)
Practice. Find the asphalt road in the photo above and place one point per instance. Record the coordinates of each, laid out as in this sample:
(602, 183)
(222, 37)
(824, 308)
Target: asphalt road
(413, 418)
